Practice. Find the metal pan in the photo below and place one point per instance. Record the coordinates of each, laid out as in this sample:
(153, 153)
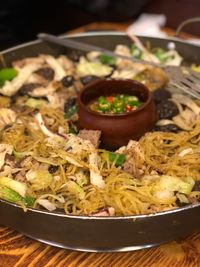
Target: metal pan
(100, 234)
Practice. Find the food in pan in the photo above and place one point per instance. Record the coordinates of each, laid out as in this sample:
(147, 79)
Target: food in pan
(47, 162)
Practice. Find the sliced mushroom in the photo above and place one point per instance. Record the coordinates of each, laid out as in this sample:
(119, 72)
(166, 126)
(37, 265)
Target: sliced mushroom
(185, 120)
(7, 116)
(4, 149)
(18, 64)
(11, 87)
(44, 129)
(187, 102)
(42, 91)
(56, 66)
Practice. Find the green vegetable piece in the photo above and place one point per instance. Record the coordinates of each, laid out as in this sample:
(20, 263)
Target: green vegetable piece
(135, 51)
(117, 110)
(18, 187)
(82, 179)
(7, 74)
(39, 179)
(117, 158)
(71, 111)
(105, 107)
(134, 103)
(21, 155)
(28, 201)
(102, 100)
(35, 103)
(9, 194)
(73, 129)
(161, 55)
(12, 196)
(76, 189)
(173, 183)
(108, 60)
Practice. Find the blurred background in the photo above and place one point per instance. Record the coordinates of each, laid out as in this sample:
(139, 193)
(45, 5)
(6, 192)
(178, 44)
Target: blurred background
(21, 20)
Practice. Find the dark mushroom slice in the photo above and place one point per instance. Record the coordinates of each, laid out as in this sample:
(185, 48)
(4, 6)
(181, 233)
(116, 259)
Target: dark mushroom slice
(52, 169)
(46, 72)
(180, 204)
(26, 88)
(69, 104)
(67, 81)
(88, 79)
(166, 109)
(196, 186)
(161, 95)
(75, 55)
(167, 128)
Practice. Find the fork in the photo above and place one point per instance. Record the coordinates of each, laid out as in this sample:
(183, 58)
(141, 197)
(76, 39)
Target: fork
(183, 78)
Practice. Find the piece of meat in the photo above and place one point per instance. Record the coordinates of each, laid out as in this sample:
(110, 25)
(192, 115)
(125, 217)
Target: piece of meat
(110, 211)
(129, 167)
(92, 135)
(10, 161)
(20, 176)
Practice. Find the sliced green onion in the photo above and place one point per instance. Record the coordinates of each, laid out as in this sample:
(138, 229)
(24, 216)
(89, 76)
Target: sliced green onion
(135, 51)
(117, 158)
(108, 60)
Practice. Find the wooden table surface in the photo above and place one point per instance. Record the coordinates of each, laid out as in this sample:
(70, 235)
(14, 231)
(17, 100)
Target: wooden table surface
(16, 250)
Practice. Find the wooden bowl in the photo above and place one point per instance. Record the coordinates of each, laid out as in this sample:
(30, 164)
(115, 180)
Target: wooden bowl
(118, 129)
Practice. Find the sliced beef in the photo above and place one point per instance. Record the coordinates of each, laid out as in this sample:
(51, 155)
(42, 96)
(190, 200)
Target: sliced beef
(92, 135)
(131, 169)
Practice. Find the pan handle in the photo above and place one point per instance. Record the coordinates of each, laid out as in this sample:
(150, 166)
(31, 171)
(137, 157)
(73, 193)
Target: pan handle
(184, 23)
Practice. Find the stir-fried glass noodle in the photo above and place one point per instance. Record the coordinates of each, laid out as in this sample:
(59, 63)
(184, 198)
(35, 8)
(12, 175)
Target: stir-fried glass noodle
(45, 162)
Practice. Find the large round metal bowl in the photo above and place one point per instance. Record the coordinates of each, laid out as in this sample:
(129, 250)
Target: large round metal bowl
(87, 233)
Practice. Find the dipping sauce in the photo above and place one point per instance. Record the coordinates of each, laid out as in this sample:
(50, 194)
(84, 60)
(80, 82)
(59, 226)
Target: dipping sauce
(115, 104)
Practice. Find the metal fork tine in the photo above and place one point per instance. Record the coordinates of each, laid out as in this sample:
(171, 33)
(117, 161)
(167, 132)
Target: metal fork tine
(191, 84)
(186, 90)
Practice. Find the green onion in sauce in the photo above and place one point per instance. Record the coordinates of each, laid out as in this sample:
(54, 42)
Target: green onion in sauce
(115, 104)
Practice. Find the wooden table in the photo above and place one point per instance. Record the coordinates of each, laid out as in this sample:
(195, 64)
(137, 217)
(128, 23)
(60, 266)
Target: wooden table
(17, 250)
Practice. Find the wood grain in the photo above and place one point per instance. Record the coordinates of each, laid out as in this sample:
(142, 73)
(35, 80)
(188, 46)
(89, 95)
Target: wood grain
(16, 250)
